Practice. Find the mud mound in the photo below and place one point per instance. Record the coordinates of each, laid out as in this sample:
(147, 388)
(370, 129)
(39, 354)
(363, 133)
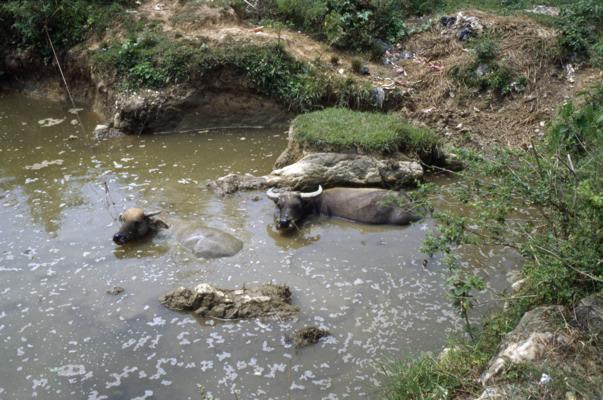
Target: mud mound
(307, 336)
(207, 301)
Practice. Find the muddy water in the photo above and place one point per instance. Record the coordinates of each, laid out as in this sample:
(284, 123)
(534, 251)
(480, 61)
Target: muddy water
(64, 337)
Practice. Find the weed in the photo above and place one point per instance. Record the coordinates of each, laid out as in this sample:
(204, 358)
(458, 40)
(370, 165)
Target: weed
(486, 48)
(356, 65)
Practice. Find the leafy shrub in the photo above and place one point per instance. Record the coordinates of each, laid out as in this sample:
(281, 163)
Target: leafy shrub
(68, 22)
(346, 24)
(581, 26)
(596, 54)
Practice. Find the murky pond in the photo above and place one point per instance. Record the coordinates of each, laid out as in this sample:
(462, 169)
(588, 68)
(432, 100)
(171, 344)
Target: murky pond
(64, 337)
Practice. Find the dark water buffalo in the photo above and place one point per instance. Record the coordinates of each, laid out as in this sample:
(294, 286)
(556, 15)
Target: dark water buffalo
(135, 224)
(369, 206)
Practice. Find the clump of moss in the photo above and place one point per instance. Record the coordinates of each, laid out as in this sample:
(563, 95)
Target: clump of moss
(342, 129)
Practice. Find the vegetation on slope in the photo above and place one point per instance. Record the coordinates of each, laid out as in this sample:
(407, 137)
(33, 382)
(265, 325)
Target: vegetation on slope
(148, 59)
(563, 246)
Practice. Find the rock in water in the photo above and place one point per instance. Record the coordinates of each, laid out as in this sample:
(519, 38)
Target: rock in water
(210, 243)
(307, 336)
(115, 290)
(207, 301)
(329, 170)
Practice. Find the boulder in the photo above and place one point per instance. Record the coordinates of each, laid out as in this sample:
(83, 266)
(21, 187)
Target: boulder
(106, 132)
(307, 336)
(535, 337)
(341, 169)
(233, 183)
(328, 170)
(210, 302)
(589, 314)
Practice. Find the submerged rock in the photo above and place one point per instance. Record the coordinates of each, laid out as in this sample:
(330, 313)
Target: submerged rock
(207, 301)
(307, 336)
(207, 242)
(106, 132)
(115, 290)
(328, 170)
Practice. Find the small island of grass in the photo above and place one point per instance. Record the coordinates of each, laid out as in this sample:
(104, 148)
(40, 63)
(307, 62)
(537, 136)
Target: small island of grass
(339, 129)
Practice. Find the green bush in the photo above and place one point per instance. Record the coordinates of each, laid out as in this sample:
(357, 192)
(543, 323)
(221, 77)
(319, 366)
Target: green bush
(343, 130)
(486, 48)
(347, 24)
(596, 54)
(581, 26)
(68, 22)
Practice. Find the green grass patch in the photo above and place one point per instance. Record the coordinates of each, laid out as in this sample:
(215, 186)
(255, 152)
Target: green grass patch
(344, 130)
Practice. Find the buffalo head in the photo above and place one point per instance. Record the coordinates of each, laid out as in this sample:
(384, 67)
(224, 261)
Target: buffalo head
(291, 207)
(135, 224)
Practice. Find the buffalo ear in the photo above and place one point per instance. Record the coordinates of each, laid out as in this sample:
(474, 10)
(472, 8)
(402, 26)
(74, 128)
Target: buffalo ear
(120, 218)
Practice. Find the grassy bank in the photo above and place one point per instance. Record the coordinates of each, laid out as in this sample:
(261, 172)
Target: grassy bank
(341, 129)
(148, 59)
(563, 246)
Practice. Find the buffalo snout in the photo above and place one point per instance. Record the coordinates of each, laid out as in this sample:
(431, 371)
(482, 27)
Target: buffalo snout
(284, 223)
(120, 238)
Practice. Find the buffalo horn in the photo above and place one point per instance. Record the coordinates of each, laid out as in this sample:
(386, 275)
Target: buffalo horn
(311, 194)
(152, 213)
(272, 195)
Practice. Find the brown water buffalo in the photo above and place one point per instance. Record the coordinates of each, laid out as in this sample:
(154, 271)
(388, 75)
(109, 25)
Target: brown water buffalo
(369, 206)
(203, 242)
(135, 224)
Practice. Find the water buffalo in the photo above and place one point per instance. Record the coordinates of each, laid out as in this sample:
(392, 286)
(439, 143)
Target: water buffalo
(135, 224)
(370, 206)
(202, 241)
